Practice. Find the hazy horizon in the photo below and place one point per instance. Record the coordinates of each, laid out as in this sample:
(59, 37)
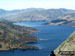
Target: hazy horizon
(47, 4)
(34, 8)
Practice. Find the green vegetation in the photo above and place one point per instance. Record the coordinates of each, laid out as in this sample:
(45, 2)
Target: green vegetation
(13, 36)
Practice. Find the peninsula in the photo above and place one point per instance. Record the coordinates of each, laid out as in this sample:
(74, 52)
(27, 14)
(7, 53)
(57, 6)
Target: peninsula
(15, 37)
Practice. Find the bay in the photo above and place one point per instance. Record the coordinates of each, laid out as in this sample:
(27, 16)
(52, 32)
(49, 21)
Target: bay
(50, 38)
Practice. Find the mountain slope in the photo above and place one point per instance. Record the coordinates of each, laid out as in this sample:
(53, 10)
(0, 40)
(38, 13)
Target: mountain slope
(67, 19)
(34, 14)
(15, 37)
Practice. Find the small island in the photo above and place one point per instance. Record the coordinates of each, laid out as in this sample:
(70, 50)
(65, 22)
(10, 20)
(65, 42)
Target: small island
(14, 37)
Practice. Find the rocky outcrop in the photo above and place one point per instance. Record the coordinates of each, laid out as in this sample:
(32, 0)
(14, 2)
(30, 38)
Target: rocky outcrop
(67, 45)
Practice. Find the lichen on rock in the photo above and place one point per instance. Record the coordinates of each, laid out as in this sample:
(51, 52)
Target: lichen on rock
(67, 45)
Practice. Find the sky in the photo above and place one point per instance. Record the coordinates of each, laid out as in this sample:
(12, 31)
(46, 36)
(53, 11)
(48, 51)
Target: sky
(47, 4)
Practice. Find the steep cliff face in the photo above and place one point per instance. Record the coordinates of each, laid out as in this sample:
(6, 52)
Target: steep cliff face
(67, 45)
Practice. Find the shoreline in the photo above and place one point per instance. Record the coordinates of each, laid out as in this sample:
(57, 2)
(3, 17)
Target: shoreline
(19, 35)
(59, 24)
(30, 48)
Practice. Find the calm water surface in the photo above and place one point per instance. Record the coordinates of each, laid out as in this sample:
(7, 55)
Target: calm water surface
(50, 38)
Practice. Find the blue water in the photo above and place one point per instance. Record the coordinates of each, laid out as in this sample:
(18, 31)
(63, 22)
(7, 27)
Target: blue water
(50, 38)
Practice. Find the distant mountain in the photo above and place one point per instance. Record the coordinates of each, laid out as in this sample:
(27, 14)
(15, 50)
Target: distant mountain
(33, 14)
(6, 13)
(66, 19)
(2, 11)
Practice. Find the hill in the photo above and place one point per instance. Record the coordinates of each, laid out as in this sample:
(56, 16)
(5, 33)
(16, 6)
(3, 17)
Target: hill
(66, 19)
(33, 14)
(15, 37)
